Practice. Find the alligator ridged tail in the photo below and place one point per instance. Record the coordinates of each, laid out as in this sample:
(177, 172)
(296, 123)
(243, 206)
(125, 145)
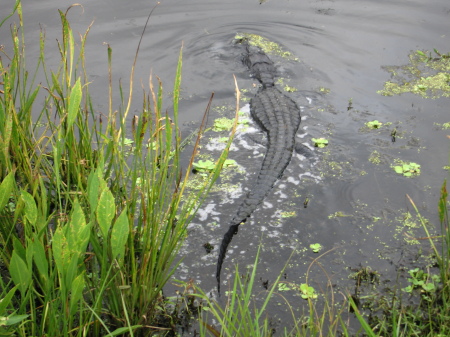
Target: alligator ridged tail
(277, 115)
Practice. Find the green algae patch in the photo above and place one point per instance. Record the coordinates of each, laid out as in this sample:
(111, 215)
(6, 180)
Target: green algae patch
(425, 76)
(269, 47)
(375, 157)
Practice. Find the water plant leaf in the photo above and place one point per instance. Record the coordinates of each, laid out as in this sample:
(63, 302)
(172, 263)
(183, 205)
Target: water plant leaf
(105, 211)
(76, 293)
(20, 273)
(11, 320)
(30, 207)
(223, 124)
(78, 231)
(40, 259)
(407, 169)
(4, 302)
(59, 243)
(204, 166)
(74, 103)
(429, 287)
(5, 190)
(316, 247)
(374, 124)
(93, 187)
(229, 162)
(119, 235)
(307, 292)
(320, 142)
(283, 287)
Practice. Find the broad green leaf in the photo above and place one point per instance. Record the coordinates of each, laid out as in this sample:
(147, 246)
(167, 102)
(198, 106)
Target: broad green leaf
(119, 235)
(105, 211)
(19, 249)
(13, 319)
(77, 232)
(74, 103)
(5, 190)
(59, 244)
(93, 185)
(71, 272)
(4, 302)
(76, 293)
(30, 207)
(6, 140)
(40, 259)
(20, 273)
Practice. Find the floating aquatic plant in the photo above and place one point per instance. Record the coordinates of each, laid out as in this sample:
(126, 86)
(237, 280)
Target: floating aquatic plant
(426, 76)
(209, 166)
(374, 124)
(316, 247)
(320, 142)
(307, 292)
(225, 124)
(407, 169)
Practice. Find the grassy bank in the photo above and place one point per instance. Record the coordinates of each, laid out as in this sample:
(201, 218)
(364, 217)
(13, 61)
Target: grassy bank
(92, 218)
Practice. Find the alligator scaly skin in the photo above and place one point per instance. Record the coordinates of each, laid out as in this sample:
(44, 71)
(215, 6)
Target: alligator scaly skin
(277, 115)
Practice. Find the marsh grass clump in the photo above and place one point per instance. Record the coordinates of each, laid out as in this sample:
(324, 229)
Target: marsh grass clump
(91, 217)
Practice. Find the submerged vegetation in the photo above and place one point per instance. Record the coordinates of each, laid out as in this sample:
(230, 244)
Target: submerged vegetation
(93, 216)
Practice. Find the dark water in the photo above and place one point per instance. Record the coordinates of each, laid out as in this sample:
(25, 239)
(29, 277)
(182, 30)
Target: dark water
(342, 45)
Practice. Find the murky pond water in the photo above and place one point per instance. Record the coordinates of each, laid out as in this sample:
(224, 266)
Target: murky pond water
(357, 207)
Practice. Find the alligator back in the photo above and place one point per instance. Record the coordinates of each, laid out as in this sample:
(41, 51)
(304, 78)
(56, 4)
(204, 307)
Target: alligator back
(277, 115)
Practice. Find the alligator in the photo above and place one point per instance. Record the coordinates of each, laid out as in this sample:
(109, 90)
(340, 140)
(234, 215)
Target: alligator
(279, 117)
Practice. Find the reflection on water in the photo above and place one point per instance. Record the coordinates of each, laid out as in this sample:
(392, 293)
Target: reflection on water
(342, 47)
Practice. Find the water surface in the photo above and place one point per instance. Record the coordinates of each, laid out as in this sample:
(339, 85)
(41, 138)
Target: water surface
(357, 207)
